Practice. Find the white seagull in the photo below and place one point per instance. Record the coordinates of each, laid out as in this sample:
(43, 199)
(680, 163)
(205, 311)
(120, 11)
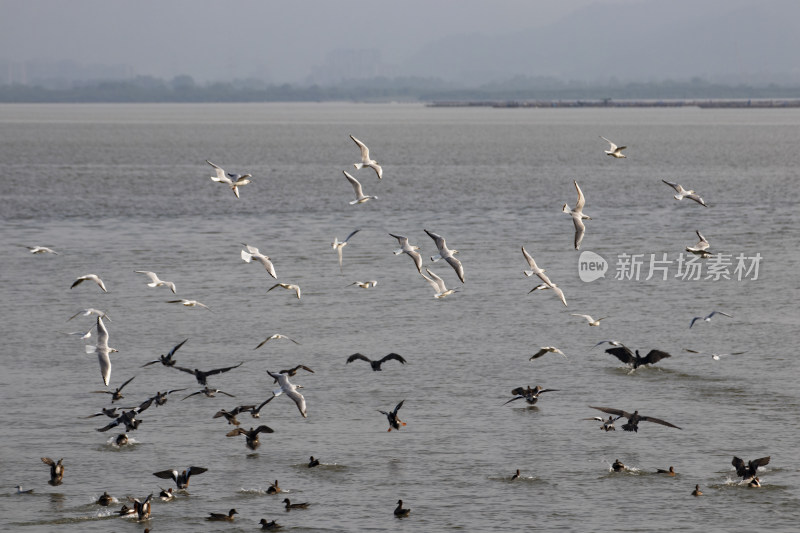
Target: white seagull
(253, 253)
(547, 349)
(89, 277)
(89, 312)
(288, 286)
(102, 350)
(438, 284)
(83, 334)
(614, 150)
(701, 248)
(577, 216)
(360, 196)
(41, 250)
(290, 390)
(365, 160)
(592, 321)
(446, 254)
(338, 245)
(234, 181)
(684, 193)
(365, 284)
(540, 272)
(707, 318)
(409, 249)
(155, 282)
(714, 356)
(189, 303)
(273, 337)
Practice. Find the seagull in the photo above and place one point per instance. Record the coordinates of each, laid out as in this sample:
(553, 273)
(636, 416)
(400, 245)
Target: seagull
(540, 273)
(748, 471)
(707, 318)
(181, 479)
(202, 376)
(577, 216)
(291, 391)
(102, 350)
(338, 245)
(608, 425)
(234, 181)
(633, 419)
(683, 193)
(611, 342)
(167, 360)
(41, 250)
(365, 284)
(376, 365)
(210, 393)
(251, 435)
(89, 277)
(89, 312)
(701, 248)
(83, 334)
(273, 337)
(189, 303)
(394, 422)
(253, 253)
(714, 356)
(624, 354)
(446, 254)
(365, 160)
(287, 286)
(592, 321)
(117, 394)
(21, 491)
(438, 284)
(155, 282)
(360, 196)
(547, 349)
(56, 471)
(409, 249)
(530, 395)
(399, 511)
(614, 150)
(556, 289)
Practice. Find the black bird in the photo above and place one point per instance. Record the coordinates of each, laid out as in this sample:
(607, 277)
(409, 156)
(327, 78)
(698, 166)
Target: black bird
(210, 393)
(376, 365)
(105, 499)
(166, 494)
(115, 395)
(292, 371)
(269, 525)
(530, 395)
(110, 412)
(167, 359)
(273, 488)
(251, 435)
(618, 466)
(290, 505)
(181, 479)
(394, 422)
(633, 418)
(255, 412)
(202, 376)
(748, 471)
(399, 511)
(624, 354)
(56, 471)
(313, 462)
(220, 517)
(161, 397)
(121, 440)
(230, 416)
(516, 475)
(128, 418)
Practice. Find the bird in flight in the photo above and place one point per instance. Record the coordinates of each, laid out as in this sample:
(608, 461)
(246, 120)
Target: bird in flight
(633, 418)
(708, 317)
(234, 181)
(577, 216)
(365, 159)
(614, 150)
(376, 364)
(624, 354)
(684, 193)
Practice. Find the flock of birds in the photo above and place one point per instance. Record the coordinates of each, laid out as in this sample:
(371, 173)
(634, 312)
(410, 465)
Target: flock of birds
(129, 418)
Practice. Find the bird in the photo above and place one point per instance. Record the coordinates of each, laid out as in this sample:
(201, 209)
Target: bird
(624, 354)
(670, 472)
(121, 440)
(540, 273)
(166, 494)
(253, 253)
(399, 512)
(394, 422)
(446, 254)
(291, 391)
(696, 491)
(312, 462)
(142, 509)
(272, 524)
(409, 249)
(608, 425)
(365, 160)
(230, 416)
(222, 517)
(684, 193)
(618, 466)
(287, 286)
(633, 418)
(516, 475)
(748, 470)
(202, 376)
(274, 488)
(714, 356)
(41, 250)
(708, 317)
(339, 245)
(440, 289)
(360, 196)
(289, 505)
(160, 398)
(577, 216)
(90, 311)
(754, 483)
(273, 337)
(292, 371)
(105, 499)
(365, 284)
(376, 364)
(56, 471)
(189, 303)
(210, 393)
(82, 334)
(181, 479)
(530, 395)
(701, 248)
(167, 360)
(89, 277)
(155, 282)
(547, 349)
(611, 342)
(614, 150)
(234, 181)
(115, 395)
(128, 417)
(255, 412)
(102, 350)
(556, 289)
(21, 491)
(592, 321)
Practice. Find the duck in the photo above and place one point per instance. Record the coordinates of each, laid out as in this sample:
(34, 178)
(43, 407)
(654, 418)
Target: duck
(399, 511)
(166, 495)
(251, 435)
(608, 425)
(394, 422)
(269, 525)
(313, 462)
(755, 482)
(624, 354)
(21, 491)
(530, 395)
(516, 475)
(202, 375)
(670, 472)
(181, 479)
(696, 491)
(618, 466)
(142, 509)
(748, 471)
(222, 517)
(105, 499)
(273, 488)
(121, 440)
(290, 505)
(56, 471)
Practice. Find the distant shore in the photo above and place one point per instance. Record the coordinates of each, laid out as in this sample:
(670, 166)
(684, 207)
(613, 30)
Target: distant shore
(705, 103)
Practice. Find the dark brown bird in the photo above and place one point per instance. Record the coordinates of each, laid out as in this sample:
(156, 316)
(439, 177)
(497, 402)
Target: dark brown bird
(116, 394)
(181, 479)
(696, 491)
(394, 422)
(255, 412)
(624, 354)
(121, 440)
(530, 395)
(273, 488)
(292, 371)
(633, 418)
(251, 435)
(56, 470)
(290, 505)
(230, 416)
(376, 365)
(166, 360)
(748, 471)
(313, 462)
(399, 511)
(202, 376)
(618, 466)
(222, 517)
(269, 525)
(142, 509)
(515, 476)
(105, 499)
(670, 472)
(210, 393)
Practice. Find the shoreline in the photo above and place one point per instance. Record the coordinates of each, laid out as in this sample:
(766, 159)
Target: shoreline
(703, 104)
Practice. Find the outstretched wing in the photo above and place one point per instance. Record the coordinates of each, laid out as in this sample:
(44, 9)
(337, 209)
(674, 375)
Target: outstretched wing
(624, 354)
(221, 370)
(612, 411)
(393, 355)
(358, 356)
(654, 356)
(265, 429)
(397, 407)
(658, 421)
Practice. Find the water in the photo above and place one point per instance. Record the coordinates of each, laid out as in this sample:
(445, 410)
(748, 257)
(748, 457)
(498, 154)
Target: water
(119, 188)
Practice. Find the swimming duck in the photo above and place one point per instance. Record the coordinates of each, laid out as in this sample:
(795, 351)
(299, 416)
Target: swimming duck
(515, 476)
(121, 440)
(530, 395)
(56, 470)
(633, 418)
(399, 511)
(166, 495)
(313, 462)
(618, 466)
(251, 435)
(394, 422)
(608, 425)
(273, 488)
(181, 479)
(670, 472)
(219, 517)
(696, 491)
(105, 499)
(290, 505)
(125, 511)
(269, 525)
(376, 364)
(755, 482)
(749, 470)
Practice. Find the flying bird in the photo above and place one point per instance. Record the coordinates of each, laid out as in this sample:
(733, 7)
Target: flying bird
(446, 254)
(592, 321)
(251, 435)
(708, 317)
(439, 288)
(394, 422)
(155, 281)
(41, 250)
(547, 349)
(633, 418)
(360, 196)
(624, 354)
(210, 393)
(365, 284)
(376, 364)
(748, 470)
(102, 350)
(608, 425)
(339, 245)
(287, 286)
(365, 160)
(255, 412)
(116, 394)
(189, 303)
(683, 193)
(577, 216)
(56, 471)
(202, 376)
(291, 391)
(540, 273)
(234, 181)
(273, 337)
(167, 360)
(253, 253)
(530, 395)
(701, 248)
(181, 479)
(89, 277)
(614, 150)
(409, 249)
(230, 416)
(89, 312)
(714, 356)
(127, 418)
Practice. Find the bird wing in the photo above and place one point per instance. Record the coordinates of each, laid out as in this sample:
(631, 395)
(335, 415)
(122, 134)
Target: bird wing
(697, 199)
(102, 334)
(653, 356)
(673, 185)
(221, 370)
(167, 474)
(364, 149)
(264, 429)
(184, 369)
(437, 280)
(352, 233)
(299, 400)
(514, 398)
(719, 313)
(613, 146)
(264, 260)
(176, 348)
(612, 411)
(397, 407)
(580, 230)
(456, 264)
(658, 421)
(356, 185)
(438, 239)
(531, 262)
(624, 354)
(105, 365)
(581, 199)
(123, 385)
(755, 463)
(395, 356)
(358, 356)
(431, 282)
